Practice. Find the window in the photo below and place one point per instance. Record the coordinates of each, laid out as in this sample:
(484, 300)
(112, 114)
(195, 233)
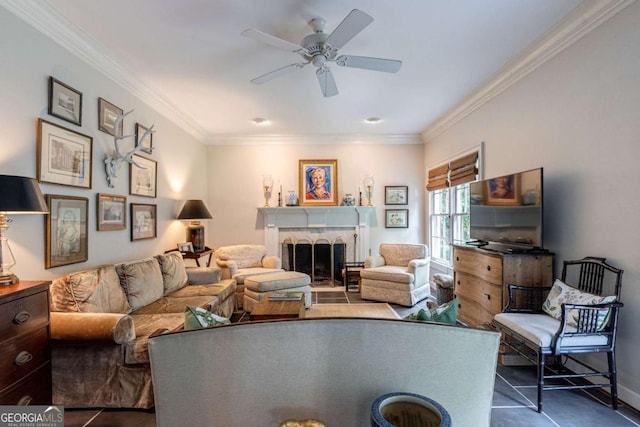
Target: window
(449, 198)
(449, 221)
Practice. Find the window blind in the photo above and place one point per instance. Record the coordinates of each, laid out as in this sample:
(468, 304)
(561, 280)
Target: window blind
(459, 171)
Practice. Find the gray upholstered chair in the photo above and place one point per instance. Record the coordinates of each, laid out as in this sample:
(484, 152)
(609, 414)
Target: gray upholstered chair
(399, 274)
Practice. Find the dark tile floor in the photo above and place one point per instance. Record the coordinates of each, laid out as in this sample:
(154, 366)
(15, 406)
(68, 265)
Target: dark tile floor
(513, 398)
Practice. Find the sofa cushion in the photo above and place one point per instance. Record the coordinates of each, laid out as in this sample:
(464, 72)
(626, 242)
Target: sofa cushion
(243, 255)
(401, 254)
(174, 274)
(96, 290)
(170, 304)
(222, 290)
(141, 281)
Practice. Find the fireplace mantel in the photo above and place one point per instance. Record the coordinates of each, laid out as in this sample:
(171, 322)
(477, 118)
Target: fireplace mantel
(356, 217)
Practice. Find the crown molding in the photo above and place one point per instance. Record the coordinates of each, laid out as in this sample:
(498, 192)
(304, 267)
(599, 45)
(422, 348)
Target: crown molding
(44, 18)
(582, 20)
(309, 139)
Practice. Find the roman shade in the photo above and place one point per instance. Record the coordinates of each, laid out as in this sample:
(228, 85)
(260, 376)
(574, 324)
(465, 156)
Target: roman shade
(458, 171)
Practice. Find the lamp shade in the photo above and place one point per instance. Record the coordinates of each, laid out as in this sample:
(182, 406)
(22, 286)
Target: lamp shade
(194, 209)
(21, 195)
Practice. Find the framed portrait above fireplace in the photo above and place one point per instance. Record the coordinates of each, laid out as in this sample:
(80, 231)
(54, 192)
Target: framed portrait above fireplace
(318, 182)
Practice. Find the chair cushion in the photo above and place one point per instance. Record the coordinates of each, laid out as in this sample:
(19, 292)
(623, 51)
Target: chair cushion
(401, 254)
(541, 328)
(388, 273)
(243, 255)
(561, 293)
(174, 274)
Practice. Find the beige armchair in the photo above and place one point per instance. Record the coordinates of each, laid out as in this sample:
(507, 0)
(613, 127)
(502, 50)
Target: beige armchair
(399, 274)
(242, 261)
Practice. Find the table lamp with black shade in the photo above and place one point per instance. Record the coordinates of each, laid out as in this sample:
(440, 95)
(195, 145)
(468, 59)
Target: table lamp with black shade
(18, 195)
(195, 210)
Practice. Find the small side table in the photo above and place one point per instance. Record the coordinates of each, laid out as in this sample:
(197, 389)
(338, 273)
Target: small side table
(197, 255)
(352, 274)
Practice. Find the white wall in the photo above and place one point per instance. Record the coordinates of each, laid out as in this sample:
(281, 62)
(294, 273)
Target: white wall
(27, 59)
(235, 180)
(577, 116)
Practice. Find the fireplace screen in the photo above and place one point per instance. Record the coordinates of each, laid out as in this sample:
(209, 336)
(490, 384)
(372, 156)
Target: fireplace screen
(322, 260)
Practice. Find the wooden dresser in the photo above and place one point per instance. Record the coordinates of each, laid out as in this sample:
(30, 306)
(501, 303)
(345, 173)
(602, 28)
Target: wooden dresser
(481, 280)
(25, 366)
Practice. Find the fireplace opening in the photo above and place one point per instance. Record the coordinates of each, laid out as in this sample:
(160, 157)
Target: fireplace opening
(322, 260)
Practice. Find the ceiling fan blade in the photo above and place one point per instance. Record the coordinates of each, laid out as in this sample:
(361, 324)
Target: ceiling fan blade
(368, 63)
(279, 72)
(327, 82)
(355, 22)
(274, 41)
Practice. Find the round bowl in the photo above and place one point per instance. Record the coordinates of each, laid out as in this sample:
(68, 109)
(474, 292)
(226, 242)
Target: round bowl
(408, 409)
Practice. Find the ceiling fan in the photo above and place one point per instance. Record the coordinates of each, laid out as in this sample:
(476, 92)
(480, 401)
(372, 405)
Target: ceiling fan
(320, 49)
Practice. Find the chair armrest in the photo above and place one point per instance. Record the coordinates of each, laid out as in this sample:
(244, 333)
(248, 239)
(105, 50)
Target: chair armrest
(587, 316)
(419, 262)
(271, 262)
(526, 299)
(203, 275)
(115, 327)
(374, 261)
(229, 268)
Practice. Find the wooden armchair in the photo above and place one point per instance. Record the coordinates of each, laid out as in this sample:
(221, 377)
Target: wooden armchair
(579, 318)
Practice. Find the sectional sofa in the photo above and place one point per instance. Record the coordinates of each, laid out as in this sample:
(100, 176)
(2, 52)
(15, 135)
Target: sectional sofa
(101, 319)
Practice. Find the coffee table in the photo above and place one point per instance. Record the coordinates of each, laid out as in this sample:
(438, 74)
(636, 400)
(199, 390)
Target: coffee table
(270, 310)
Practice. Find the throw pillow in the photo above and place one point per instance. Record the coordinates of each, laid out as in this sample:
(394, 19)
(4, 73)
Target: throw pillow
(561, 293)
(446, 313)
(196, 317)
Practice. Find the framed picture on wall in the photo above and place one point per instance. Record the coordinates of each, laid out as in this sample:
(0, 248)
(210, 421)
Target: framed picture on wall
(66, 231)
(143, 221)
(147, 142)
(143, 176)
(65, 102)
(63, 155)
(396, 195)
(318, 182)
(396, 218)
(111, 212)
(107, 115)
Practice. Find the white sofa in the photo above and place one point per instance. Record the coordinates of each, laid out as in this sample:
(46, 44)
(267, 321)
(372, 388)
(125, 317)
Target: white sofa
(262, 373)
(399, 274)
(241, 261)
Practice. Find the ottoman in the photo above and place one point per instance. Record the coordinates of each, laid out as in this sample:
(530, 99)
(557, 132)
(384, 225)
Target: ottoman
(288, 281)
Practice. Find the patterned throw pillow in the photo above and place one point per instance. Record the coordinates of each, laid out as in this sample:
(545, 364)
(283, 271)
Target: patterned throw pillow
(446, 313)
(196, 317)
(561, 293)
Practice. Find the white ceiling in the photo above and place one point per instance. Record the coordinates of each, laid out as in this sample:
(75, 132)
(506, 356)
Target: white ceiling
(188, 57)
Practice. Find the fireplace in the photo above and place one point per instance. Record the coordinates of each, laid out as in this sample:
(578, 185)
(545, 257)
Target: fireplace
(322, 259)
(348, 225)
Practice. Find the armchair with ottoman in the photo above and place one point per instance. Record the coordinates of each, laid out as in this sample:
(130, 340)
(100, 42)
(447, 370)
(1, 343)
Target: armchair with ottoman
(101, 319)
(399, 274)
(241, 261)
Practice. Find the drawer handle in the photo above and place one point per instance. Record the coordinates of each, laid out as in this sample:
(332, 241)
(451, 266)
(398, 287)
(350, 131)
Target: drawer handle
(488, 296)
(488, 268)
(458, 282)
(21, 317)
(457, 258)
(25, 400)
(23, 358)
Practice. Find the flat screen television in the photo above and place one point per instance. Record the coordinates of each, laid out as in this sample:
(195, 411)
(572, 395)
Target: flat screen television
(506, 212)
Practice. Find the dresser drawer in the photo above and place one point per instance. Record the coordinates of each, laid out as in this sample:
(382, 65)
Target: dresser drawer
(472, 313)
(22, 355)
(485, 266)
(34, 389)
(487, 295)
(23, 314)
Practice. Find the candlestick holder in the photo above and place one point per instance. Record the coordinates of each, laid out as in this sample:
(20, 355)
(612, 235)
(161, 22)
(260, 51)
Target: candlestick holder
(368, 185)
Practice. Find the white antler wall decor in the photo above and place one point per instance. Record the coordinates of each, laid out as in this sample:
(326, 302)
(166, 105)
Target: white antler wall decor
(113, 161)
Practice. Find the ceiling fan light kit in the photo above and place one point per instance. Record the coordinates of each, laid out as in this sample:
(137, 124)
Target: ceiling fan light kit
(320, 49)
